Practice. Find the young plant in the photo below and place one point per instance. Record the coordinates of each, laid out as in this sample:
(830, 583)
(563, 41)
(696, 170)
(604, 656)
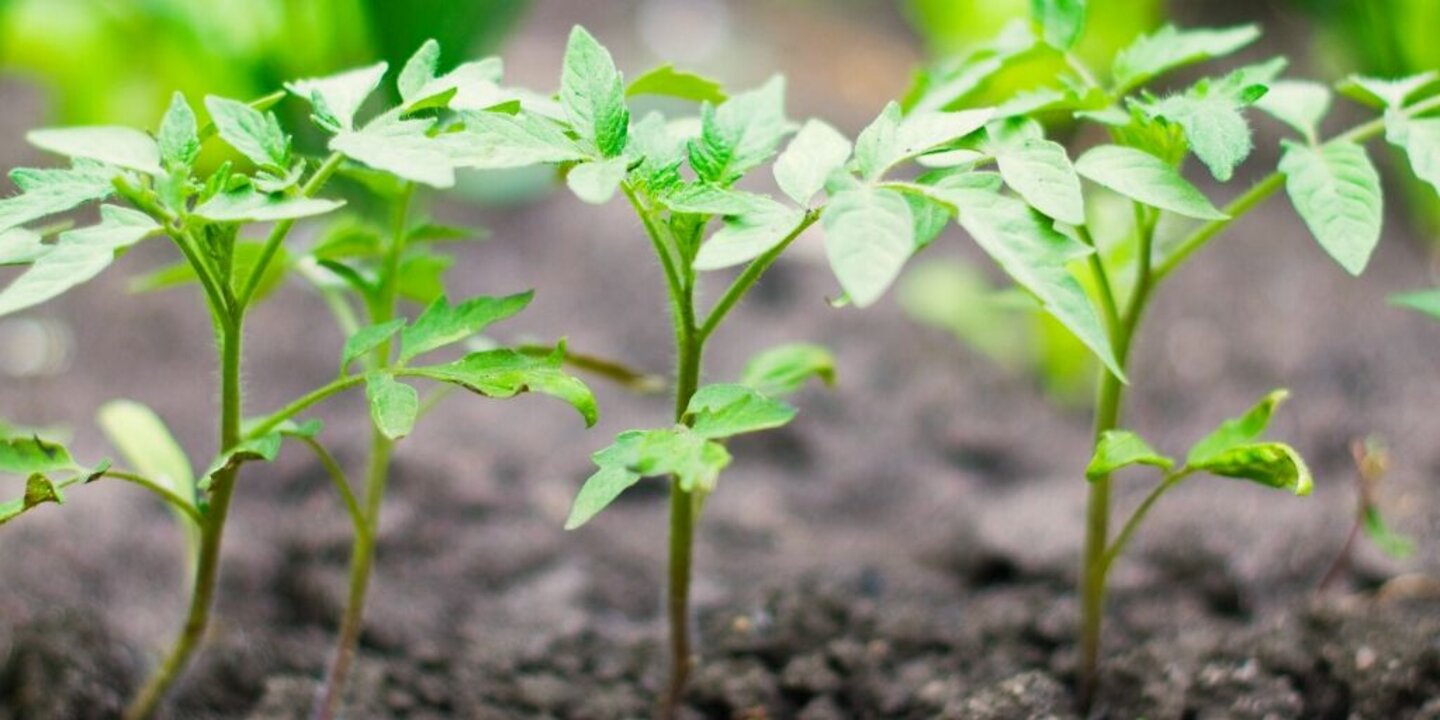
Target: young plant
(1372, 462)
(1033, 215)
(422, 141)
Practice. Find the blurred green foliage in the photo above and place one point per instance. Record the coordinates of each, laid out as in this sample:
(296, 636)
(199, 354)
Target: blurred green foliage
(108, 61)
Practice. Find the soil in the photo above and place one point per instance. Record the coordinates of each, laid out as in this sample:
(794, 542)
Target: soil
(906, 549)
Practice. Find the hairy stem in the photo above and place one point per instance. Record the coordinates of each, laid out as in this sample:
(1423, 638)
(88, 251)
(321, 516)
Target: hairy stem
(377, 477)
(212, 530)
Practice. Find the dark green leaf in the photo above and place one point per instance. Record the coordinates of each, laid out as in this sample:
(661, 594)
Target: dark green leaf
(38, 491)
(179, 138)
(444, 324)
(740, 134)
(694, 461)
(30, 455)
(254, 134)
(1271, 464)
(367, 339)
(505, 373)
(1238, 431)
(721, 411)
(666, 80)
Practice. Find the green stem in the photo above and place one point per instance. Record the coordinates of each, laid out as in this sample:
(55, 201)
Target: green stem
(750, 276)
(303, 403)
(164, 493)
(362, 557)
(1123, 539)
(282, 228)
(683, 505)
(211, 532)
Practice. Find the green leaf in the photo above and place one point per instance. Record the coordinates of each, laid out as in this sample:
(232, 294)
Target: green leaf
(1169, 48)
(1275, 465)
(264, 448)
(739, 134)
(178, 138)
(1217, 131)
(38, 491)
(693, 460)
(394, 406)
(1041, 173)
(817, 151)
(470, 86)
(367, 339)
(1427, 302)
(1298, 103)
(444, 324)
(493, 141)
(1141, 176)
(27, 456)
(336, 98)
(1122, 448)
(705, 199)
(721, 411)
(145, 442)
(505, 373)
(666, 80)
(955, 80)
(595, 182)
(1031, 251)
(122, 147)
(592, 92)
(254, 134)
(1421, 142)
(50, 191)
(891, 139)
(400, 147)
(1387, 93)
(1388, 541)
(746, 237)
(19, 246)
(422, 276)
(784, 369)
(1061, 22)
(245, 205)
(1238, 431)
(77, 257)
(1337, 192)
(869, 235)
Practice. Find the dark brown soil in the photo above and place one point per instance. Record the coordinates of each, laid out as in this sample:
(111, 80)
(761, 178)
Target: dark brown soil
(906, 549)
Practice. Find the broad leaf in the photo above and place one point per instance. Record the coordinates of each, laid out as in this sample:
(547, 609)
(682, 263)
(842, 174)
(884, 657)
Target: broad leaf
(1387, 93)
(817, 151)
(1238, 431)
(892, 139)
(1143, 177)
(401, 147)
(122, 147)
(1421, 142)
(30, 455)
(1122, 448)
(746, 237)
(50, 191)
(869, 235)
(394, 406)
(597, 181)
(666, 80)
(444, 324)
(1298, 103)
(146, 444)
(245, 205)
(366, 340)
(1337, 192)
(77, 257)
(593, 94)
(1271, 464)
(721, 411)
(1169, 48)
(1215, 128)
(337, 98)
(179, 138)
(254, 134)
(1031, 251)
(1427, 302)
(505, 373)
(1061, 21)
(740, 134)
(472, 85)
(784, 369)
(497, 141)
(694, 461)
(1041, 172)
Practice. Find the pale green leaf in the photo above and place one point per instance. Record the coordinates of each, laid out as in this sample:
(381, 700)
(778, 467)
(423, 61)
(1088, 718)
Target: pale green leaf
(1427, 302)
(494, 141)
(892, 139)
(1061, 22)
(50, 191)
(955, 80)
(721, 411)
(444, 324)
(1336, 190)
(1143, 177)
(78, 256)
(694, 461)
(394, 406)
(19, 246)
(142, 438)
(245, 205)
(1301, 104)
(1387, 93)
(1041, 173)
(338, 97)
(1121, 448)
(178, 138)
(254, 134)
(869, 235)
(1169, 48)
(666, 80)
(705, 199)
(740, 134)
(745, 237)
(784, 369)
(595, 182)
(817, 151)
(592, 92)
(472, 85)
(1421, 142)
(1215, 128)
(122, 147)
(401, 147)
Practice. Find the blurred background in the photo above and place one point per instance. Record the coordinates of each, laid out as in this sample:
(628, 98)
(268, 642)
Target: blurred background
(960, 419)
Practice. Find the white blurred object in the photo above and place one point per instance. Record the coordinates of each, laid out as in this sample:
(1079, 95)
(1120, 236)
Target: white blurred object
(685, 31)
(34, 347)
